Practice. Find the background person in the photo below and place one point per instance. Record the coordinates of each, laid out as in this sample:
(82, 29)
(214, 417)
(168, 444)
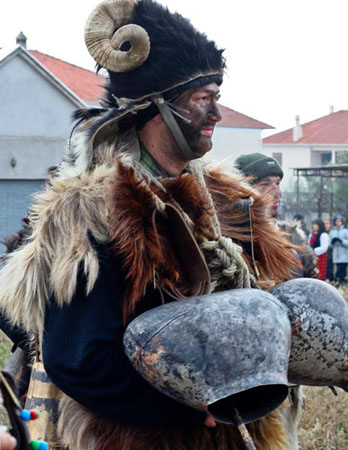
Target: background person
(319, 241)
(339, 242)
(329, 269)
(300, 218)
(266, 175)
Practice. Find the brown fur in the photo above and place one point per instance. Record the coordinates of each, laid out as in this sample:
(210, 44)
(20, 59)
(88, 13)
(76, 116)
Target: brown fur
(274, 254)
(147, 250)
(82, 430)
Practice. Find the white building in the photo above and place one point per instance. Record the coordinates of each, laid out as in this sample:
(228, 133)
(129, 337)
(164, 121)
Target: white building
(38, 94)
(236, 134)
(312, 144)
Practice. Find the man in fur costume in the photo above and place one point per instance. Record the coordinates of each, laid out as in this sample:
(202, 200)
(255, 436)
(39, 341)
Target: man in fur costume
(103, 245)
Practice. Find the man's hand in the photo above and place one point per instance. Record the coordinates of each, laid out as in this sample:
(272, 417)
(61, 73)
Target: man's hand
(7, 442)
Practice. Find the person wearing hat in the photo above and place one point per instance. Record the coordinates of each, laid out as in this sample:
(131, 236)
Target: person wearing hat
(122, 226)
(339, 243)
(266, 176)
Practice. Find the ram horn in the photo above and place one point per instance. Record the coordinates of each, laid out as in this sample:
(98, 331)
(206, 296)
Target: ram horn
(107, 31)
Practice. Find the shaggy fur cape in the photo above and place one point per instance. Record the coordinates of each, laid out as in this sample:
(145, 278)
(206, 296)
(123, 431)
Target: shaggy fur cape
(111, 198)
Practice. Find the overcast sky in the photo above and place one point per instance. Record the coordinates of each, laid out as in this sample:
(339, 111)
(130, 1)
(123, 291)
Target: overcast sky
(284, 57)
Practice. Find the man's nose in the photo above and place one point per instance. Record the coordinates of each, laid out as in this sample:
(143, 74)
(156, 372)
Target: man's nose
(215, 114)
(276, 190)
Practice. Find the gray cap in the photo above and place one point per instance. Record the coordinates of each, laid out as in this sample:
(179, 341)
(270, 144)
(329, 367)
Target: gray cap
(259, 166)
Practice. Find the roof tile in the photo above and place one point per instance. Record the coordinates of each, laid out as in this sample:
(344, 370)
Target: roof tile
(87, 85)
(231, 118)
(330, 129)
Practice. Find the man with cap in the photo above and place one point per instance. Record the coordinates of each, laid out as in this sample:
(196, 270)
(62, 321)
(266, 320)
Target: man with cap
(265, 175)
(119, 229)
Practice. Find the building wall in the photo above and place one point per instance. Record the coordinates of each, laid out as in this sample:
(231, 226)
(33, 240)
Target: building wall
(30, 104)
(229, 143)
(29, 157)
(35, 120)
(292, 156)
(15, 198)
(34, 126)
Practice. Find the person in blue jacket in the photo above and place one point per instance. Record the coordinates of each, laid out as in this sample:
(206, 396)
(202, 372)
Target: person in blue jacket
(339, 243)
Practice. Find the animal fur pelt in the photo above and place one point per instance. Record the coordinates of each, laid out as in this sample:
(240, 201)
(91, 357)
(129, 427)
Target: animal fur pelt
(82, 430)
(151, 252)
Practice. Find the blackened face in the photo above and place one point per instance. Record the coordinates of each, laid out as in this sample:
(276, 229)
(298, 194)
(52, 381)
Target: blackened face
(199, 105)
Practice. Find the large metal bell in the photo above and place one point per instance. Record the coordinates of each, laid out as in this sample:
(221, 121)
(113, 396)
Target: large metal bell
(319, 320)
(216, 352)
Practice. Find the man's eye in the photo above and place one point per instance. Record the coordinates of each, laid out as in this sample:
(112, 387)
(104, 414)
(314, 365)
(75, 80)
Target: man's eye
(217, 97)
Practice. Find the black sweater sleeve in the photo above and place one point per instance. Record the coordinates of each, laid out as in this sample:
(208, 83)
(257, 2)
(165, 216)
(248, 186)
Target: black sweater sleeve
(17, 335)
(83, 355)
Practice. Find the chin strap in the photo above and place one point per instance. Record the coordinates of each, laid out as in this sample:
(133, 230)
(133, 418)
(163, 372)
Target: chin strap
(168, 115)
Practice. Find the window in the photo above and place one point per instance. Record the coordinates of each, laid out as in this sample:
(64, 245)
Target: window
(325, 158)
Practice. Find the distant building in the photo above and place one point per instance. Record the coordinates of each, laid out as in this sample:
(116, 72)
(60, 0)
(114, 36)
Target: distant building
(315, 143)
(236, 134)
(38, 95)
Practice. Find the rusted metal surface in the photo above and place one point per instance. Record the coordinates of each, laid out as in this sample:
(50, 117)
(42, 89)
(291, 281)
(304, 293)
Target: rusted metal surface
(319, 319)
(216, 352)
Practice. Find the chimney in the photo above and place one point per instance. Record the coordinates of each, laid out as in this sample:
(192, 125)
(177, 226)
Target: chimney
(331, 109)
(297, 130)
(21, 39)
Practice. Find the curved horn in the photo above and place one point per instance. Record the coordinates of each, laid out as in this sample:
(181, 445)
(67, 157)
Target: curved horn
(104, 43)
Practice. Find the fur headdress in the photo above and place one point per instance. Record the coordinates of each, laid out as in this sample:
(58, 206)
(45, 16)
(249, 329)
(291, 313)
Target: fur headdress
(149, 50)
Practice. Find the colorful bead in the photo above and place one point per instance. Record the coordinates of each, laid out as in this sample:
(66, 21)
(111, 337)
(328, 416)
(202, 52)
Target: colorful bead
(25, 415)
(35, 445)
(38, 445)
(34, 414)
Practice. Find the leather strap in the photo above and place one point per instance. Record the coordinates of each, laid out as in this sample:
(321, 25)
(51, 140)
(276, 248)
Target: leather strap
(172, 124)
(188, 253)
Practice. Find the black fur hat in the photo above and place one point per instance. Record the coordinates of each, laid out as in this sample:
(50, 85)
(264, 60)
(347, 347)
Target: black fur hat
(148, 50)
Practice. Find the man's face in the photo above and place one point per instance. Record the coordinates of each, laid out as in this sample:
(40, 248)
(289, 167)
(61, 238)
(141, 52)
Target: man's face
(200, 106)
(271, 186)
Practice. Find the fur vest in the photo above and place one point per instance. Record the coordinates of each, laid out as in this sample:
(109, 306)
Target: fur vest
(109, 197)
